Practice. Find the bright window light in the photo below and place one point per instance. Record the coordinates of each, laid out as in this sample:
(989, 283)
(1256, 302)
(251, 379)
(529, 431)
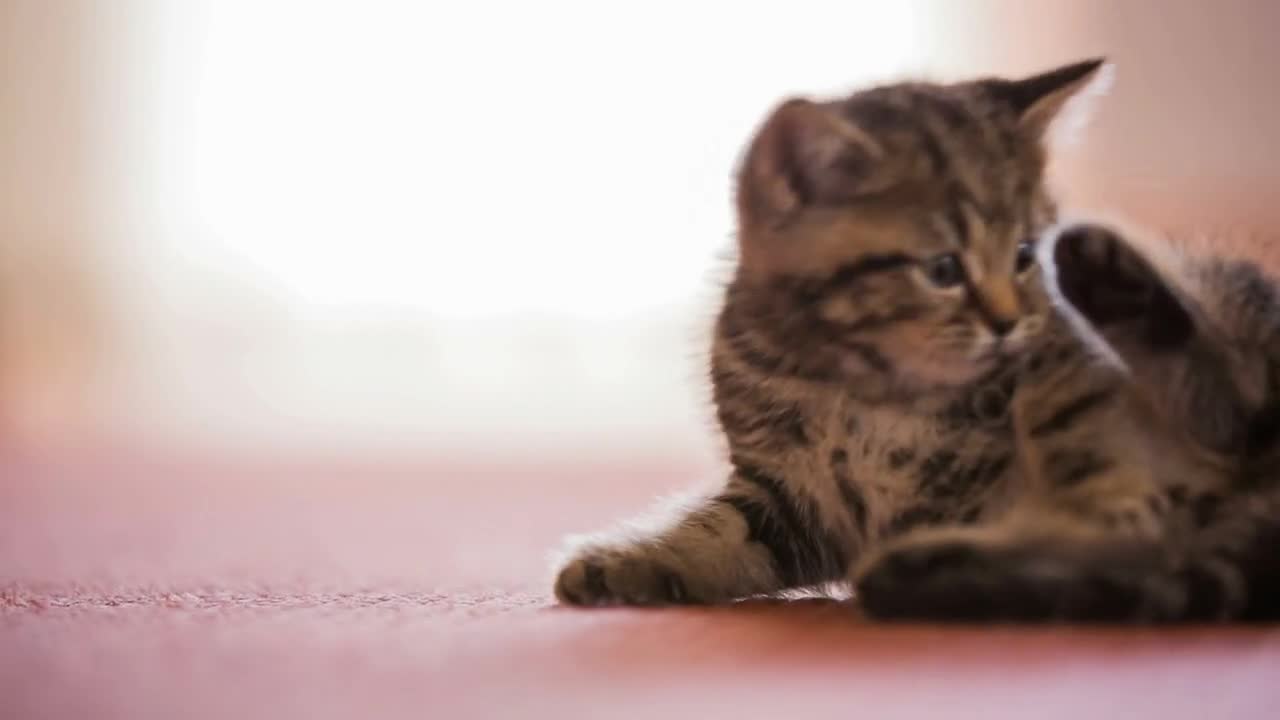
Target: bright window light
(477, 158)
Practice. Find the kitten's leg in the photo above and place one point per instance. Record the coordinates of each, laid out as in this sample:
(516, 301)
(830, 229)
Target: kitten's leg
(1086, 542)
(1041, 564)
(1045, 577)
(1222, 569)
(757, 536)
(1241, 534)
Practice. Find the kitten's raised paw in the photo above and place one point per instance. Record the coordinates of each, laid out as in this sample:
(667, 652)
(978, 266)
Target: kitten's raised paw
(1109, 283)
(601, 578)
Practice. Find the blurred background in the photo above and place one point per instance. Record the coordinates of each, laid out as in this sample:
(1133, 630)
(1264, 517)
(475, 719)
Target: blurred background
(489, 227)
(321, 324)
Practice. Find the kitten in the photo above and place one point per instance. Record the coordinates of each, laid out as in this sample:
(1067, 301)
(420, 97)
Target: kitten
(888, 370)
(1200, 340)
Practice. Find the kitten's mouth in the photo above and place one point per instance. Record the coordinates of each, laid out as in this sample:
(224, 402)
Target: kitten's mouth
(999, 350)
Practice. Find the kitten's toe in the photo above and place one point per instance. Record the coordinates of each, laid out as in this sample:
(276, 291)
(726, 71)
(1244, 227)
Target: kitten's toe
(595, 579)
(581, 583)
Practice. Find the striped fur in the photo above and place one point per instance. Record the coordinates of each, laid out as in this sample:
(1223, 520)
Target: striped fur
(1199, 341)
(888, 368)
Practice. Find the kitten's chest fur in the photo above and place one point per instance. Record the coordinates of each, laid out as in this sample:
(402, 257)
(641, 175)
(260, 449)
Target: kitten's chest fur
(879, 468)
(933, 461)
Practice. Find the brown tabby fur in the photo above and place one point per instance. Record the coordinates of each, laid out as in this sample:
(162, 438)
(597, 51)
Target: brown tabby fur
(958, 448)
(1200, 340)
(1200, 344)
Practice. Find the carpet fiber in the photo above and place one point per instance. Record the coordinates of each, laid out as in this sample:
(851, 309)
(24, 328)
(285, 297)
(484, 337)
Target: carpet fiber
(145, 588)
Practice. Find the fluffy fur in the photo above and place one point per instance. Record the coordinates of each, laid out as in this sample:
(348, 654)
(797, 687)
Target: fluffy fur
(905, 403)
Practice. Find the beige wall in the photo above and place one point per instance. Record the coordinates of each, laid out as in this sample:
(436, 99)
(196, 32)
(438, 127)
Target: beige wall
(48, 134)
(1188, 131)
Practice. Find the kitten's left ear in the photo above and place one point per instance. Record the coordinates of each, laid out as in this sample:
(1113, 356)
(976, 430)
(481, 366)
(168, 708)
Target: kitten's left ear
(1060, 99)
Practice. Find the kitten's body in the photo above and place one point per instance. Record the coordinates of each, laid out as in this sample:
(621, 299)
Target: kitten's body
(901, 399)
(1200, 341)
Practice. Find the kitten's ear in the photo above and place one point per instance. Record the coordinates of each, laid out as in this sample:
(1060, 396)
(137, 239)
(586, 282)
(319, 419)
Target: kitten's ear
(805, 153)
(1061, 99)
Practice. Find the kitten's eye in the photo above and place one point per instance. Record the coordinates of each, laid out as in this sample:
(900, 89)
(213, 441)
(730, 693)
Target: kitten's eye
(1025, 258)
(944, 271)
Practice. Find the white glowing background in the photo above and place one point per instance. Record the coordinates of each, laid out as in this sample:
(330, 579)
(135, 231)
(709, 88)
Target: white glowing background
(436, 221)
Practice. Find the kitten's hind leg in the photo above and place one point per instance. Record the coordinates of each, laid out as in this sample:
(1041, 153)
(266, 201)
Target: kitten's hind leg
(969, 576)
(1086, 542)
(755, 537)
(1092, 548)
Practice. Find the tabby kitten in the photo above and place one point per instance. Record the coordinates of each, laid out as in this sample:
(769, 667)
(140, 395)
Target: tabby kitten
(1200, 339)
(886, 341)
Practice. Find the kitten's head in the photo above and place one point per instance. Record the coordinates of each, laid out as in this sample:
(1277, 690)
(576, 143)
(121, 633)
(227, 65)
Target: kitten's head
(892, 233)
(1200, 339)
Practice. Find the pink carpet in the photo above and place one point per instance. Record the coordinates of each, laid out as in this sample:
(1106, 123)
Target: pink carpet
(144, 588)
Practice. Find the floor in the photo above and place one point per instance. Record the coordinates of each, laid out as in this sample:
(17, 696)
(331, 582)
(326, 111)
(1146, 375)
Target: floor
(139, 586)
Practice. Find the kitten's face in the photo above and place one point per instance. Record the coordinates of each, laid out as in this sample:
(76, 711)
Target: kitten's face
(892, 235)
(1200, 344)
(941, 305)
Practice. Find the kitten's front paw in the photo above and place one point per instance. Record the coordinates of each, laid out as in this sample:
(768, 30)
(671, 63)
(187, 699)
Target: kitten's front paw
(597, 577)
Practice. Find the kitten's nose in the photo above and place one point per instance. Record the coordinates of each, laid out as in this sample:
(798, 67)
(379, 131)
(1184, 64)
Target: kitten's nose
(1002, 326)
(999, 306)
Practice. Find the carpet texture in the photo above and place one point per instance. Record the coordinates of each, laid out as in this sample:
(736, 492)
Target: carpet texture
(144, 588)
